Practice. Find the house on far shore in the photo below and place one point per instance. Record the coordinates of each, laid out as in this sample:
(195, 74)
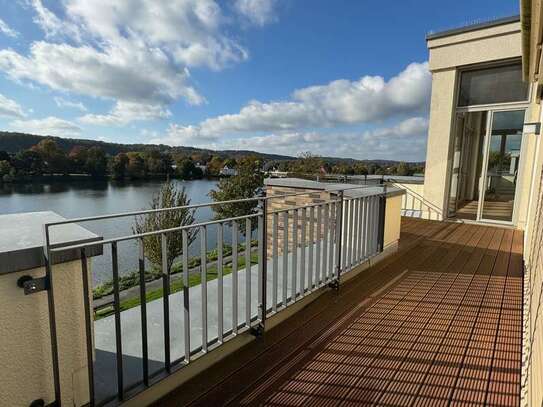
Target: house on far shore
(202, 167)
(228, 172)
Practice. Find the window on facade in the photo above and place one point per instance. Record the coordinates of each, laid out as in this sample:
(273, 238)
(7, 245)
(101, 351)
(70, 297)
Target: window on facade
(501, 84)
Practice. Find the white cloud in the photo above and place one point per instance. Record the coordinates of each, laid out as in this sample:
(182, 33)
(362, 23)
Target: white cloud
(7, 30)
(405, 140)
(49, 126)
(338, 103)
(127, 73)
(258, 12)
(10, 108)
(63, 103)
(128, 51)
(126, 112)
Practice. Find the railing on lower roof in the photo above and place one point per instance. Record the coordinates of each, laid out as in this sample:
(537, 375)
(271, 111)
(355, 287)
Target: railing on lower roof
(414, 205)
(308, 247)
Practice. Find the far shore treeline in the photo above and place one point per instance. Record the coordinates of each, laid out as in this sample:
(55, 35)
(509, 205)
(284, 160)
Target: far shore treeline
(21, 161)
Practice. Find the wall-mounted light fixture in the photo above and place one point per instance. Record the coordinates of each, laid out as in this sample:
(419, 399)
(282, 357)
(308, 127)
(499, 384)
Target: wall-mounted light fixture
(531, 128)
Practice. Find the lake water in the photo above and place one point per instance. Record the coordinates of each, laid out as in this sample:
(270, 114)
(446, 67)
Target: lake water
(88, 198)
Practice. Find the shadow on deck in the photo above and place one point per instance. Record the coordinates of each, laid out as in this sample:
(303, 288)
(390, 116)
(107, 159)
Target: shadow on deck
(439, 323)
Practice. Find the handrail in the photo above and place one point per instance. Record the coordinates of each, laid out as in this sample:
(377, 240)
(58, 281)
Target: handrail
(194, 206)
(148, 234)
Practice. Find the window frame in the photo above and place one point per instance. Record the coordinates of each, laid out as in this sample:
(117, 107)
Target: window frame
(487, 106)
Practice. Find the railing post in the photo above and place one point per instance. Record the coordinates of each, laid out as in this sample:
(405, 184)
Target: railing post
(381, 227)
(339, 240)
(263, 272)
(52, 319)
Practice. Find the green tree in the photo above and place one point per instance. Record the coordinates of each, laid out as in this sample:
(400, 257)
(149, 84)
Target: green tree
(96, 162)
(243, 185)
(168, 197)
(360, 169)
(403, 169)
(28, 162)
(7, 171)
(215, 165)
(157, 162)
(308, 163)
(136, 166)
(185, 168)
(118, 165)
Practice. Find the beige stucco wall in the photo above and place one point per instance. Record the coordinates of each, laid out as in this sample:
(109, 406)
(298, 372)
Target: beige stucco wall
(532, 389)
(25, 354)
(490, 44)
(439, 135)
(393, 220)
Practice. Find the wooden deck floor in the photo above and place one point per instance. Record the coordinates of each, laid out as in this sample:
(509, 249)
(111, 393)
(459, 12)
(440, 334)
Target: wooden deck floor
(438, 324)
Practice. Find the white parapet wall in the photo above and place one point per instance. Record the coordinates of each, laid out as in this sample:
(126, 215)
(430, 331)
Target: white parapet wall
(25, 351)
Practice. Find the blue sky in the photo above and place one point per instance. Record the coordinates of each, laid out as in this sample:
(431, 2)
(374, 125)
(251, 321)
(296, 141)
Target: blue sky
(343, 78)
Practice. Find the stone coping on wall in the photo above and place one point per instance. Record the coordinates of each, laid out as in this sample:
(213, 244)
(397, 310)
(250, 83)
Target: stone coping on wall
(22, 240)
(361, 190)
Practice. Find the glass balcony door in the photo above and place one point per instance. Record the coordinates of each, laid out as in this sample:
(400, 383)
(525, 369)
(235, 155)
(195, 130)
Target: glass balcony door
(498, 183)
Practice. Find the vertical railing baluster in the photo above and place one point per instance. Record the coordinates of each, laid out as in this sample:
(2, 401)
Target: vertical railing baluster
(275, 260)
(375, 218)
(382, 201)
(88, 326)
(294, 258)
(248, 230)
(345, 234)
(371, 222)
(143, 310)
(263, 261)
(303, 239)
(332, 240)
(339, 234)
(350, 235)
(325, 242)
(285, 258)
(364, 226)
(220, 285)
(166, 300)
(311, 248)
(203, 284)
(318, 257)
(117, 310)
(186, 298)
(355, 233)
(235, 233)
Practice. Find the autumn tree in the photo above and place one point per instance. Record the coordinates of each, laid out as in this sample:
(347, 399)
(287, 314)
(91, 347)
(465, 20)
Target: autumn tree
(53, 157)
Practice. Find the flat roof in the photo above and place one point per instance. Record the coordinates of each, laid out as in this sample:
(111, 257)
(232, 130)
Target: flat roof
(473, 27)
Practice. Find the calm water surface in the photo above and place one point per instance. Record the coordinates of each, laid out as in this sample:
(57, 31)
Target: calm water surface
(88, 198)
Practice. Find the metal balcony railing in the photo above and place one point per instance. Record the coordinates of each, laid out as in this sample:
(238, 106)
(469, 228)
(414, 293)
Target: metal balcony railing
(300, 249)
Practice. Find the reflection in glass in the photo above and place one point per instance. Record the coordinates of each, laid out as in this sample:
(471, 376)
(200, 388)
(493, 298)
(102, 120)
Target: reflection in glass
(502, 165)
(502, 84)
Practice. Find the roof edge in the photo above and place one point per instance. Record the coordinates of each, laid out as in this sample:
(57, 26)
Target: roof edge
(473, 27)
